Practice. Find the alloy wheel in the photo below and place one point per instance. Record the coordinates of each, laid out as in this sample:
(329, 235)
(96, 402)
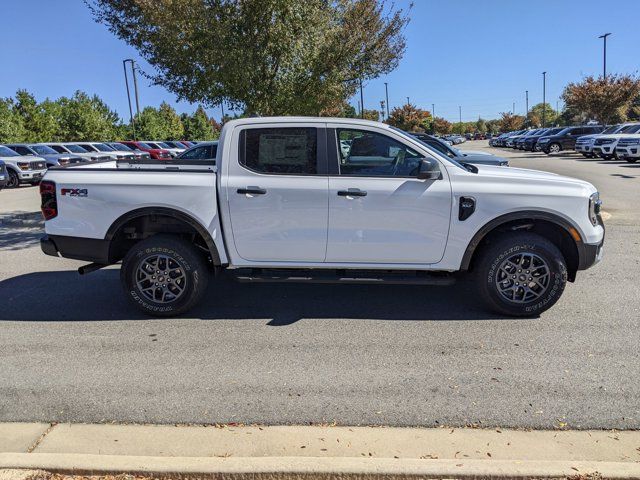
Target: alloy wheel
(523, 277)
(160, 278)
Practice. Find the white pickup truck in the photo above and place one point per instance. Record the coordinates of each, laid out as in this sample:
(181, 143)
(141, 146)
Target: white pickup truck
(324, 200)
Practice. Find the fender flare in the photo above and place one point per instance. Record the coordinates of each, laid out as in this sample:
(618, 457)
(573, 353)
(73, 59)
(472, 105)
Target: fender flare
(510, 217)
(166, 212)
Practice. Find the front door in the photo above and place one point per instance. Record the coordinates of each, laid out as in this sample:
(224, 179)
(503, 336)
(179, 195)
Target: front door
(278, 194)
(379, 211)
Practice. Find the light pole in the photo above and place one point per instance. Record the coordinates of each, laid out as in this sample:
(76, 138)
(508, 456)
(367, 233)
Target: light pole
(386, 92)
(460, 117)
(433, 110)
(544, 97)
(604, 66)
(526, 99)
(361, 101)
(408, 102)
(135, 81)
(513, 108)
(126, 82)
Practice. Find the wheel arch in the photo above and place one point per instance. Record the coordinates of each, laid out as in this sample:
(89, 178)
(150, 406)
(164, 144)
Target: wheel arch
(116, 231)
(552, 226)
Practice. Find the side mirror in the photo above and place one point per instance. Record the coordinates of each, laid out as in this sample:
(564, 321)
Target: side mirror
(429, 170)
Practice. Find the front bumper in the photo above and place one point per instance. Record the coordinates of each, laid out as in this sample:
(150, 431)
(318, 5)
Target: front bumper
(628, 152)
(604, 149)
(28, 176)
(590, 254)
(583, 148)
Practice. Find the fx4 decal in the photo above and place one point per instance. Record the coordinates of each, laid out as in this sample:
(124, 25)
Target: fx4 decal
(74, 192)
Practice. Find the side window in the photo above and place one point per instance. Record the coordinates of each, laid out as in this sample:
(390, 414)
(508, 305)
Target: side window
(281, 151)
(88, 148)
(198, 153)
(370, 154)
(58, 148)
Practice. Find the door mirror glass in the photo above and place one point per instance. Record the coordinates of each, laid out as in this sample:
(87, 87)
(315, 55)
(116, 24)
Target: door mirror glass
(429, 170)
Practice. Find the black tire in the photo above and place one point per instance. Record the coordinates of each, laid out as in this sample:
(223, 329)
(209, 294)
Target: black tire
(631, 160)
(14, 180)
(185, 265)
(554, 148)
(490, 272)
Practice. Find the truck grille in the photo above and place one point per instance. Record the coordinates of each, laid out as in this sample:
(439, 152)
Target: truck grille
(76, 160)
(623, 142)
(603, 141)
(584, 141)
(2, 169)
(38, 165)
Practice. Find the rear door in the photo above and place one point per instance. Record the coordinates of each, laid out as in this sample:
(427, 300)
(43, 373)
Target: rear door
(277, 192)
(379, 211)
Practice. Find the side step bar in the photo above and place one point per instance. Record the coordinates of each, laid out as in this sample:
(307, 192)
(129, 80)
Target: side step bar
(345, 277)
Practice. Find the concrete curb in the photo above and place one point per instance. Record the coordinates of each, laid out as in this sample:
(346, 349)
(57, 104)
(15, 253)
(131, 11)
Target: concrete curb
(308, 467)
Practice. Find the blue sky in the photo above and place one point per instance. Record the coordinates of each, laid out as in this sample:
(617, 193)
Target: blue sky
(478, 54)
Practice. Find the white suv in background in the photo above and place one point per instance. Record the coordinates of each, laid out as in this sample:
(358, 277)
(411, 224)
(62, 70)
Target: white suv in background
(605, 145)
(77, 151)
(108, 150)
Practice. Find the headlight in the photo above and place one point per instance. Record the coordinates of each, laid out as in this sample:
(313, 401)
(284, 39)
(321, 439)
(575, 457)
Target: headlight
(64, 161)
(23, 165)
(595, 204)
(504, 164)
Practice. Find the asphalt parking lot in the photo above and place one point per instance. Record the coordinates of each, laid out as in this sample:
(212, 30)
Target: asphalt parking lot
(72, 350)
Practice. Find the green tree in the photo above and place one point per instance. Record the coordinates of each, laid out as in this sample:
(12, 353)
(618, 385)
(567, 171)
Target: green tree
(11, 125)
(535, 115)
(83, 118)
(481, 126)
(150, 125)
(410, 118)
(371, 115)
(198, 126)
(604, 99)
(39, 119)
(267, 57)
(173, 127)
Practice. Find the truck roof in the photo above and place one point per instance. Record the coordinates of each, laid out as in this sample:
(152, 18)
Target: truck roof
(268, 120)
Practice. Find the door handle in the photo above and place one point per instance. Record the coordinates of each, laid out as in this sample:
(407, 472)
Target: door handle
(352, 192)
(251, 191)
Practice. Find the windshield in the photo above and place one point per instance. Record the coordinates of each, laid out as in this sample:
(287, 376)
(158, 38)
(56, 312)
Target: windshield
(164, 145)
(43, 150)
(148, 146)
(612, 129)
(153, 145)
(121, 146)
(7, 152)
(75, 148)
(102, 147)
(630, 129)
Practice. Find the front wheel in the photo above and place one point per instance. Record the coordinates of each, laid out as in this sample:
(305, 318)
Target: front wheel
(164, 275)
(521, 274)
(631, 160)
(14, 181)
(554, 148)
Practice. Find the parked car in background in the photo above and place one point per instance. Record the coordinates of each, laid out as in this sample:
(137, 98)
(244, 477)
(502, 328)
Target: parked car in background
(121, 147)
(161, 145)
(4, 175)
(566, 138)
(530, 143)
(455, 154)
(108, 150)
(512, 137)
(154, 152)
(498, 140)
(628, 148)
(77, 151)
(202, 151)
(584, 144)
(20, 169)
(518, 143)
(175, 144)
(50, 156)
(605, 145)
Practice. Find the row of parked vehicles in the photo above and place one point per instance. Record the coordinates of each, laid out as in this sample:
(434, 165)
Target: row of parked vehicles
(616, 141)
(26, 163)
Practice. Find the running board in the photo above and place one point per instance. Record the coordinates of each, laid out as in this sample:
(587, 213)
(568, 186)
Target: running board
(345, 277)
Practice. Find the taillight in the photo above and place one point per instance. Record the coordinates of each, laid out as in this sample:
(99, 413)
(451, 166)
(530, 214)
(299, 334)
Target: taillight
(49, 203)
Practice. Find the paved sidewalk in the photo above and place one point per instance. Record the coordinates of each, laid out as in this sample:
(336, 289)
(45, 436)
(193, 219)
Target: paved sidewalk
(322, 449)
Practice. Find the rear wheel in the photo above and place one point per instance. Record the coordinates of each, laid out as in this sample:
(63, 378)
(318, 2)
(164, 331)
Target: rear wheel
(521, 274)
(164, 275)
(14, 181)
